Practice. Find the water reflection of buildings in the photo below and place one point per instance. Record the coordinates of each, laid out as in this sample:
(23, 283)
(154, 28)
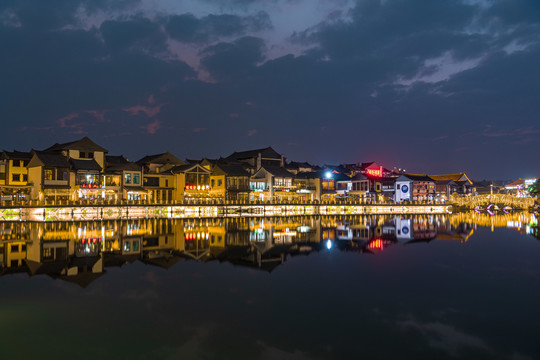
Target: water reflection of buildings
(80, 252)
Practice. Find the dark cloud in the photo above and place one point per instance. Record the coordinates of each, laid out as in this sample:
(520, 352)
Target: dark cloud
(514, 12)
(190, 29)
(232, 4)
(55, 14)
(52, 14)
(395, 33)
(229, 60)
(136, 33)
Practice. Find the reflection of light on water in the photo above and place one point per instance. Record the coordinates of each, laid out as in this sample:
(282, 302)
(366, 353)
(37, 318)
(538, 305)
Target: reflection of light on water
(328, 244)
(513, 224)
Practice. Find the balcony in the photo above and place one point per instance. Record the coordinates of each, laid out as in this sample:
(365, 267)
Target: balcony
(239, 188)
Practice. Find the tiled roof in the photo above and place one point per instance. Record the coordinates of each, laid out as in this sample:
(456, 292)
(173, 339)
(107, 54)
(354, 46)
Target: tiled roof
(84, 144)
(115, 159)
(267, 153)
(193, 161)
(234, 170)
(127, 166)
(49, 159)
(454, 177)
(85, 164)
(308, 175)
(295, 164)
(163, 158)
(278, 171)
(517, 183)
(366, 164)
(16, 155)
(359, 177)
(417, 177)
(186, 168)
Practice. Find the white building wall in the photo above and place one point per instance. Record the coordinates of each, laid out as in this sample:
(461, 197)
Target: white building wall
(402, 191)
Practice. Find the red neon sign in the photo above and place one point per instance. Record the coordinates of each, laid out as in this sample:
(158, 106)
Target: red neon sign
(375, 172)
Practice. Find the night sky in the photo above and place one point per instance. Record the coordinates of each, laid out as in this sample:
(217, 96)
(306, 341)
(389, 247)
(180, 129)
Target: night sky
(429, 86)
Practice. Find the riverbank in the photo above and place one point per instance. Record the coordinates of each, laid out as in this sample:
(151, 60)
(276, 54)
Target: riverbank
(88, 212)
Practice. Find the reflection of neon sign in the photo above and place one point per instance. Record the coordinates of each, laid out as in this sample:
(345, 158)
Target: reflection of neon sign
(375, 172)
(376, 244)
(197, 236)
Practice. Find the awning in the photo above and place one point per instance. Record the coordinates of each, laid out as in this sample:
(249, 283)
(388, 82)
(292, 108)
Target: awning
(135, 189)
(15, 186)
(56, 187)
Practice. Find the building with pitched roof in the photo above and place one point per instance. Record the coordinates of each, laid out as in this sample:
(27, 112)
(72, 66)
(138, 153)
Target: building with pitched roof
(519, 187)
(159, 163)
(255, 159)
(14, 176)
(82, 149)
(299, 167)
(82, 161)
(448, 184)
(191, 182)
(272, 183)
(124, 179)
(48, 173)
(230, 182)
(411, 187)
(308, 186)
(359, 186)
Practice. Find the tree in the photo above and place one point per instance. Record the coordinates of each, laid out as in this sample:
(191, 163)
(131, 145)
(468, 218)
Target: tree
(534, 189)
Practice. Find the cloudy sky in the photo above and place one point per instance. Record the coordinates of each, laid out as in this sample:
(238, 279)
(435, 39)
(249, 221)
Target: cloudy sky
(429, 86)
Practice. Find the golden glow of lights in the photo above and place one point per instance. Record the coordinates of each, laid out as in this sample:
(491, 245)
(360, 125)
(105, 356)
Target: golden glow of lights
(285, 233)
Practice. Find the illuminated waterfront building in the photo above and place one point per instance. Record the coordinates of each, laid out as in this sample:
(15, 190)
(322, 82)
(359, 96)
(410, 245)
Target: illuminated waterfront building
(381, 188)
(49, 175)
(308, 186)
(68, 171)
(414, 188)
(228, 181)
(14, 176)
(403, 189)
(359, 186)
(124, 179)
(272, 183)
(448, 184)
(236, 181)
(87, 162)
(159, 183)
(519, 187)
(159, 163)
(192, 182)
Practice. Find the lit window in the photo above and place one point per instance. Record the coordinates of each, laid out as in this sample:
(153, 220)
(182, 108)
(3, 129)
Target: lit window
(48, 174)
(127, 178)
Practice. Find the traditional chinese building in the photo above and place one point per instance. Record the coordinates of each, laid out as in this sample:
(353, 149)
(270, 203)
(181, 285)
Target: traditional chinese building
(14, 176)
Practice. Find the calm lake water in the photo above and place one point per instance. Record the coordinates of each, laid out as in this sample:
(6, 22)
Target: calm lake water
(422, 287)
